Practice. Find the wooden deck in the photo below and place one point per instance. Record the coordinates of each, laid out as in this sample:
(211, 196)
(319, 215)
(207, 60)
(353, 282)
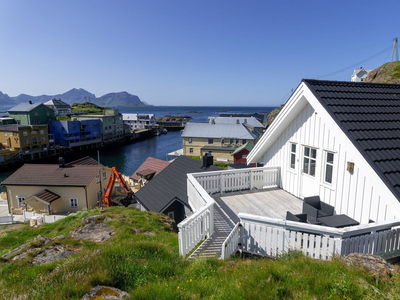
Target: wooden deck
(273, 203)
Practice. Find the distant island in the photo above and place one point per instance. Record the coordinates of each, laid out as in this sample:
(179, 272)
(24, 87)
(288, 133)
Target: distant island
(77, 96)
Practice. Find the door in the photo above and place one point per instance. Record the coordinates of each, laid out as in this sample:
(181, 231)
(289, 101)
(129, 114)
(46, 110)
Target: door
(309, 185)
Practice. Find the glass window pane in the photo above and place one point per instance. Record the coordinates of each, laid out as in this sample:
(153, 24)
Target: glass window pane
(307, 151)
(293, 147)
(312, 167)
(328, 175)
(306, 165)
(329, 158)
(292, 161)
(313, 153)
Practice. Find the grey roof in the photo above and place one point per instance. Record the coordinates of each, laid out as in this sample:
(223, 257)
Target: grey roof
(170, 184)
(209, 147)
(207, 130)
(250, 121)
(57, 104)
(369, 114)
(10, 127)
(24, 107)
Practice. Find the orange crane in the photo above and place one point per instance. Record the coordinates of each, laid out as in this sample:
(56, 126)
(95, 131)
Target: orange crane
(110, 186)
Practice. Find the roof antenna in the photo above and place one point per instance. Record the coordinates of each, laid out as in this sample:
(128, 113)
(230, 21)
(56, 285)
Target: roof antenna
(395, 48)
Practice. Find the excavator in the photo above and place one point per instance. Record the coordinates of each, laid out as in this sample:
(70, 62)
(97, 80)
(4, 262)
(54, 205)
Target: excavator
(110, 185)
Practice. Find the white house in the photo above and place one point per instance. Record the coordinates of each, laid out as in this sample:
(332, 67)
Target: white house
(139, 121)
(60, 107)
(359, 75)
(341, 141)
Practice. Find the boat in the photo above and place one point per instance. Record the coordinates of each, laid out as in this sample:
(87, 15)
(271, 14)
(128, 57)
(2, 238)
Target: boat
(164, 131)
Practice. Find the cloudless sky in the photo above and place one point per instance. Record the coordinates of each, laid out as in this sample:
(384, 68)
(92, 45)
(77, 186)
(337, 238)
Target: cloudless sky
(190, 52)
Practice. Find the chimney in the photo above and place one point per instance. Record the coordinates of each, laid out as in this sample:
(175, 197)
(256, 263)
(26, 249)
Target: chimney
(30, 102)
(245, 121)
(237, 121)
(207, 161)
(61, 162)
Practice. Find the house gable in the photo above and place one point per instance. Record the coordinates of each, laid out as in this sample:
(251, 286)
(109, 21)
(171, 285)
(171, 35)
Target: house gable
(361, 194)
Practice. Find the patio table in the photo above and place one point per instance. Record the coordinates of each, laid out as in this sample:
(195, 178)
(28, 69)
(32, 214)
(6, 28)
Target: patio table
(338, 221)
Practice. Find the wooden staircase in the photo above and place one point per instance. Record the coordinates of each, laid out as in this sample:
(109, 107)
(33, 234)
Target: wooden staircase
(223, 226)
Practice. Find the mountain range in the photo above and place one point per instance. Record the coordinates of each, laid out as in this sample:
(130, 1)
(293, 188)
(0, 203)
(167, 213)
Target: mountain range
(77, 96)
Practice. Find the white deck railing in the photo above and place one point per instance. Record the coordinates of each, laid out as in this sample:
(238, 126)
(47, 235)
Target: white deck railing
(46, 218)
(200, 224)
(230, 245)
(237, 180)
(272, 237)
(9, 219)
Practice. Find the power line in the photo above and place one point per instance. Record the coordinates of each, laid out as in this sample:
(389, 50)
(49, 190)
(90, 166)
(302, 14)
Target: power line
(356, 64)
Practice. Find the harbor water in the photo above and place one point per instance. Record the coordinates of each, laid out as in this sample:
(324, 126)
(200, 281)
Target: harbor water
(128, 158)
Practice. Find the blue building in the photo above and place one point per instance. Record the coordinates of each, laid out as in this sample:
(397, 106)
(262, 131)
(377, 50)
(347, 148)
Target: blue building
(75, 133)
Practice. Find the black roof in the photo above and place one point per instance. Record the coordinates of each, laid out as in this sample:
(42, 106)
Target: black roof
(170, 184)
(369, 114)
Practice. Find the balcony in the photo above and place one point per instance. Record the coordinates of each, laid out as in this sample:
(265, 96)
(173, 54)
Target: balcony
(245, 210)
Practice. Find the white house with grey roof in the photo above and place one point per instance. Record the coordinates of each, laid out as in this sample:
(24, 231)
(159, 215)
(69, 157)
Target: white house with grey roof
(139, 121)
(59, 106)
(250, 122)
(360, 74)
(220, 139)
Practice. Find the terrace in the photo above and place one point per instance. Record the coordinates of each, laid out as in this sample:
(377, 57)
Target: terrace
(244, 210)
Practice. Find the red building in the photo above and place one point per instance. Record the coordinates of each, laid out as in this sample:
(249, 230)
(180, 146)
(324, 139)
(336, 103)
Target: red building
(240, 154)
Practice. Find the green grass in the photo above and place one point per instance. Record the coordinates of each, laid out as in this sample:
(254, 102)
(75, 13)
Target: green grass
(149, 267)
(88, 108)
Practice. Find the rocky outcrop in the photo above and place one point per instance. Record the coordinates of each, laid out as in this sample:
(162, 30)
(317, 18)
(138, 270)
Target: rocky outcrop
(174, 119)
(31, 247)
(53, 254)
(106, 293)
(387, 73)
(271, 116)
(93, 229)
(375, 264)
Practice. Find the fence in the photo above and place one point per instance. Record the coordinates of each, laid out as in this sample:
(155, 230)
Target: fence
(9, 219)
(46, 219)
(230, 245)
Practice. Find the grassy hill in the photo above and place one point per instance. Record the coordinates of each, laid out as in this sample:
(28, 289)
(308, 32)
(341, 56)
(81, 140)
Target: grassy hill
(387, 73)
(148, 267)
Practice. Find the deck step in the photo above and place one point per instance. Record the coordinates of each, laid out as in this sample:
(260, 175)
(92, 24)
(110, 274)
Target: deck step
(211, 247)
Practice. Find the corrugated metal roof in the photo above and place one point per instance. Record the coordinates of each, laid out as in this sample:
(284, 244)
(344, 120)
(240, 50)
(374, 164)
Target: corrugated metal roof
(253, 122)
(207, 130)
(10, 127)
(150, 163)
(24, 107)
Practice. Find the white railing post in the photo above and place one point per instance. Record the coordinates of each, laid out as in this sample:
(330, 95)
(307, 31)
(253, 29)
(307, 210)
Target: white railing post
(251, 179)
(222, 183)
(211, 220)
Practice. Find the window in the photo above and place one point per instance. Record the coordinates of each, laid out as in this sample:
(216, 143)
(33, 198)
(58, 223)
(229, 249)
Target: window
(25, 133)
(97, 178)
(329, 167)
(104, 174)
(34, 141)
(210, 141)
(171, 215)
(73, 202)
(243, 142)
(41, 131)
(43, 139)
(231, 141)
(33, 132)
(292, 156)
(20, 200)
(237, 141)
(190, 140)
(5, 133)
(191, 150)
(5, 143)
(26, 141)
(310, 156)
(244, 156)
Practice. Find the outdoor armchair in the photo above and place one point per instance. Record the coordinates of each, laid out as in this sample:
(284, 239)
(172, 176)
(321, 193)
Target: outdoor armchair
(315, 208)
(296, 218)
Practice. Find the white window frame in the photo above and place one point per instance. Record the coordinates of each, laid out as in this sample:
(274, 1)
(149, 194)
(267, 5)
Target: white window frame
(73, 202)
(190, 140)
(5, 133)
(310, 159)
(105, 174)
(210, 141)
(326, 164)
(20, 199)
(190, 150)
(292, 155)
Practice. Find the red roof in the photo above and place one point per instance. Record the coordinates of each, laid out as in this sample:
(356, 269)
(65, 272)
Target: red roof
(150, 164)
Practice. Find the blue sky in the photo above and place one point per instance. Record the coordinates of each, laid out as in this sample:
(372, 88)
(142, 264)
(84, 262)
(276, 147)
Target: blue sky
(188, 52)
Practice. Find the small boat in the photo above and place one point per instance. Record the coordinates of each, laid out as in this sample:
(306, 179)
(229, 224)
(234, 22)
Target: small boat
(164, 131)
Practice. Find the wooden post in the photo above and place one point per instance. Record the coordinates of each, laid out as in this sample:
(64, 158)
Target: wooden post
(251, 182)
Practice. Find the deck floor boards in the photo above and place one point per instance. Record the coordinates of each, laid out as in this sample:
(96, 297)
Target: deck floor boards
(273, 203)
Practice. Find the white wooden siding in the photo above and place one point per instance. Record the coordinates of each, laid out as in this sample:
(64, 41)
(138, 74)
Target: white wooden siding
(361, 195)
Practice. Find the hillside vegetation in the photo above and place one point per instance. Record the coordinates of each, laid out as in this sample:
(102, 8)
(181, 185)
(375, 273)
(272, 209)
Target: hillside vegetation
(142, 259)
(387, 73)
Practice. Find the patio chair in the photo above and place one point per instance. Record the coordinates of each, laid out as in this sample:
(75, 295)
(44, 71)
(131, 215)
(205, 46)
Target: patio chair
(315, 208)
(296, 218)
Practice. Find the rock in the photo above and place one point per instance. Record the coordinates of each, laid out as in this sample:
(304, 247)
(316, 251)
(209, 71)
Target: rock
(272, 115)
(170, 224)
(53, 254)
(377, 265)
(93, 232)
(59, 237)
(36, 243)
(105, 292)
(149, 233)
(43, 239)
(24, 254)
(93, 219)
(387, 73)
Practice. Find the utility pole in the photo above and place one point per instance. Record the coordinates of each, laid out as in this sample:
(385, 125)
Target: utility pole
(395, 49)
